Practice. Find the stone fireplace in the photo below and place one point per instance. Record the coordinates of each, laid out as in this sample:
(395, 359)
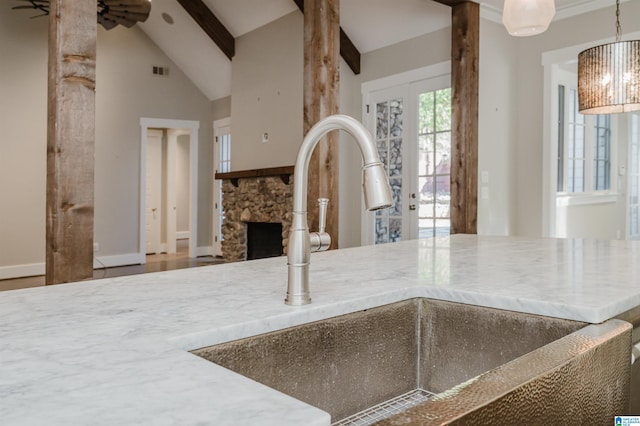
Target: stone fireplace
(251, 198)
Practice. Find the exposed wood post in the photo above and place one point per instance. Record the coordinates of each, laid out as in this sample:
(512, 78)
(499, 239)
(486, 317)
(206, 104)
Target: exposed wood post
(465, 46)
(70, 140)
(348, 50)
(321, 85)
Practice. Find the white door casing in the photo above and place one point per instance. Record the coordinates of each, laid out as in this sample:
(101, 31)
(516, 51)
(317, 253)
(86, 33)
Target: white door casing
(191, 128)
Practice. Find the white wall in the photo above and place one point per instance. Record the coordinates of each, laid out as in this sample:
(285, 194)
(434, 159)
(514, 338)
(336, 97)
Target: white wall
(496, 129)
(23, 112)
(266, 95)
(126, 91)
(221, 108)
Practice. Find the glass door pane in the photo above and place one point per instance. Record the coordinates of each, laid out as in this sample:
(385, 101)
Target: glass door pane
(389, 126)
(434, 163)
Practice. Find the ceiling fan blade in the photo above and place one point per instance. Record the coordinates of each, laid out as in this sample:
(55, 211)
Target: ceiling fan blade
(111, 13)
(140, 6)
(127, 16)
(120, 21)
(125, 12)
(106, 23)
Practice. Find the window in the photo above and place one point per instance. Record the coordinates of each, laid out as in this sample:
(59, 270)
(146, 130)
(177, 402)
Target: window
(602, 154)
(225, 153)
(434, 162)
(224, 167)
(222, 162)
(584, 147)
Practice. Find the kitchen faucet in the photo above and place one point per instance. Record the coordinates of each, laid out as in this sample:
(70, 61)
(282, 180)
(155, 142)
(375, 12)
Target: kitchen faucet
(377, 195)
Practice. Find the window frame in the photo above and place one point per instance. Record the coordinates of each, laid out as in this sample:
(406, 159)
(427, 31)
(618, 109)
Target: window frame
(590, 195)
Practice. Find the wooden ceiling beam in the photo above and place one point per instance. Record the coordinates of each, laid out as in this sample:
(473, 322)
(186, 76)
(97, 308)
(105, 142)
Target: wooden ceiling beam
(348, 50)
(453, 2)
(211, 25)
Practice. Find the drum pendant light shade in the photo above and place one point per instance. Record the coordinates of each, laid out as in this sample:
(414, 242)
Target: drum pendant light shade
(527, 17)
(609, 76)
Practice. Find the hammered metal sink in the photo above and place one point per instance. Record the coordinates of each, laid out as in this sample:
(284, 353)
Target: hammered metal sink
(453, 362)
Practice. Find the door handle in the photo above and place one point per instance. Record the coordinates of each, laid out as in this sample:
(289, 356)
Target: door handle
(412, 207)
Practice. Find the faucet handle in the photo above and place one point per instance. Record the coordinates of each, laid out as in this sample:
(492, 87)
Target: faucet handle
(322, 214)
(320, 241)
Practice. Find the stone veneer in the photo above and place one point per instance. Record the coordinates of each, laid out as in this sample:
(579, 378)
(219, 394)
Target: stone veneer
(257, 199)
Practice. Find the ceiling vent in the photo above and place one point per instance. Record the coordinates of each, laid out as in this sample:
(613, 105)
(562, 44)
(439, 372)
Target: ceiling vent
(161, 71)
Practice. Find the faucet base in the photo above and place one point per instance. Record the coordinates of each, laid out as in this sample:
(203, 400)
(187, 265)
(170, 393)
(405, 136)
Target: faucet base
(298, 288)
(297, 299)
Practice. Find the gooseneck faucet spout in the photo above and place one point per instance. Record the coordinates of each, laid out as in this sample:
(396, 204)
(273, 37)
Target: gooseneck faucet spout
(377, 195)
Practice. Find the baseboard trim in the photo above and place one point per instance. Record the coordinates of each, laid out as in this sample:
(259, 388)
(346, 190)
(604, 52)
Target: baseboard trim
(19, 271)
(35, 269)
(183, 235)
(118, 260)
(204, 251)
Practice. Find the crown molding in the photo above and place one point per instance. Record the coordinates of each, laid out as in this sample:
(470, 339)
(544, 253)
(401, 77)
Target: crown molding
(578, 7)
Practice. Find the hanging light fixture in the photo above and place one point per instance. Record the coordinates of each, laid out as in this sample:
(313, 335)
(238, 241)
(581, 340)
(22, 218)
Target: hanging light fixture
(609, 76)
(527, 17)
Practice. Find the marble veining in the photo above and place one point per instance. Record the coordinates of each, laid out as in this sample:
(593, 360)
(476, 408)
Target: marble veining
(114, 351)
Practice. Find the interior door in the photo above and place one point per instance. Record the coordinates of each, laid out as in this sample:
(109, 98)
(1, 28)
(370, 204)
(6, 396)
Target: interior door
(153, 192)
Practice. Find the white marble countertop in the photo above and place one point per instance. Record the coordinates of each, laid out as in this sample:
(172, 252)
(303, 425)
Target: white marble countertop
(115, 351)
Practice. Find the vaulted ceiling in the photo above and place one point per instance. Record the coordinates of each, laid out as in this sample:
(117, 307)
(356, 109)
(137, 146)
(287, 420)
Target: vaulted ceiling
(370, 25)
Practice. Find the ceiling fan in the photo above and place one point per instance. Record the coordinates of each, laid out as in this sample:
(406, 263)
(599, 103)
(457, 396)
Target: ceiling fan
(111, 13)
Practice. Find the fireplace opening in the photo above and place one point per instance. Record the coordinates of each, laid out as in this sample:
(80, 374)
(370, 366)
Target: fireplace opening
(263, 240)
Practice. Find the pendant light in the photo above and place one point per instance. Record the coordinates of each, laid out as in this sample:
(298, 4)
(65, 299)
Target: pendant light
(609, 76)
(527, 17)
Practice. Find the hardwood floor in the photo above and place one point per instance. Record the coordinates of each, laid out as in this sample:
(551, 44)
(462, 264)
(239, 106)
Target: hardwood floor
(155, 263)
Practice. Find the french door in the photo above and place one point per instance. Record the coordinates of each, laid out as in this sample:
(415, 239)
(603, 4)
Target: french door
(411, 124)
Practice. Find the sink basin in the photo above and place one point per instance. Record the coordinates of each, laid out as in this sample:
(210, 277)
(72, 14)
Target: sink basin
(435, 362)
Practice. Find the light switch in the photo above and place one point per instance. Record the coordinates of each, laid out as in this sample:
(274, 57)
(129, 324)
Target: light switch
(485, 177)
(622, 170)
(484, 192)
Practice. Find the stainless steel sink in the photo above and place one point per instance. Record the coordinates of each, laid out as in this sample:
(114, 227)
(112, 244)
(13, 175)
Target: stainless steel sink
(451, 361)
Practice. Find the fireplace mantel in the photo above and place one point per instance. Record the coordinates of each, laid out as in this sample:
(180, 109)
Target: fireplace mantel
(283, 172)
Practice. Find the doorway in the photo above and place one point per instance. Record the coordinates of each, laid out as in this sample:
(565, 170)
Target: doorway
(167, 190)
(176, 133)
(409, 115)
